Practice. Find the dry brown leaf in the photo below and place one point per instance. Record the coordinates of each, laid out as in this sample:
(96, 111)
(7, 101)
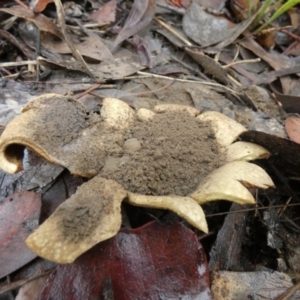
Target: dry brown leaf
(292, 127)
(106, 13)
(42, 22)
(140, 16)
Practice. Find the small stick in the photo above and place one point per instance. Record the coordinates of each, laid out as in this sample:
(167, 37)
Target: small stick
(251, 209)
(18, 63)
(289, 292)
(246, 61)
(173, 31)
(92, 88)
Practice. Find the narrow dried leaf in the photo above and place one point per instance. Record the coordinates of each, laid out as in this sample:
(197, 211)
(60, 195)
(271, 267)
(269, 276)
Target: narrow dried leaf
(210, 66)
(185, 207)
(143, 50)
(245, 151)
(88, 217)
(226, 129)
(140, 16)
(61, 21)
(229, 181)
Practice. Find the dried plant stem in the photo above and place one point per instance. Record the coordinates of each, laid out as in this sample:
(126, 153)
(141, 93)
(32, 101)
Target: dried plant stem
(289, 292)
(246, 61)
(173, 31)
(18, 63)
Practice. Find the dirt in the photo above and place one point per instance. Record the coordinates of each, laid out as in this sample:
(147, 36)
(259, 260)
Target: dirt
(169, 154)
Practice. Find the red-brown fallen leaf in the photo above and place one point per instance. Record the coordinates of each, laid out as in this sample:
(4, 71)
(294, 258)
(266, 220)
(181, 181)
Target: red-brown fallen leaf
(106, 13)
(39, 5)
(292, 127)
(19, 216)
(42, 22)
(152, 262)
(140, 16)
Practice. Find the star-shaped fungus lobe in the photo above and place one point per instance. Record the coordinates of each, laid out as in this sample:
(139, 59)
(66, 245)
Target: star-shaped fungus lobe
(171, 157)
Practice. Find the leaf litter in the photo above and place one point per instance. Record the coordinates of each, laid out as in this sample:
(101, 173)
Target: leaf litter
(249, 105)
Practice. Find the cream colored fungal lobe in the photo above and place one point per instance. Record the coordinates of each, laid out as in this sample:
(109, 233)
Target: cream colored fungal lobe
(144, 114)
(229, 181)
(90, 216)
(246, 151)
(185, 207)
(226, 129)
(117, 113)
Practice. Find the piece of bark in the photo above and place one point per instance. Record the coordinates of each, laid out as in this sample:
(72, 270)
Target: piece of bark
(225, 254)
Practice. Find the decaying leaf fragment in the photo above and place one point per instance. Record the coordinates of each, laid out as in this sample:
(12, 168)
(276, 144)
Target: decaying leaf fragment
(59, 129)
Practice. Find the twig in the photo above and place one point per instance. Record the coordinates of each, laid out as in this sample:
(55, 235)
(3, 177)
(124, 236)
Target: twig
(18, 63)
(155, 91)
(173, 31)
(223, 87)
(94, 87)
(14, 285)
(251, 209)
(246, 61)
(289, 292)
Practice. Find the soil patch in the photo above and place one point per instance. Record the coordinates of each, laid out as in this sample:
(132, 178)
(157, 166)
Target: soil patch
(169, 154)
